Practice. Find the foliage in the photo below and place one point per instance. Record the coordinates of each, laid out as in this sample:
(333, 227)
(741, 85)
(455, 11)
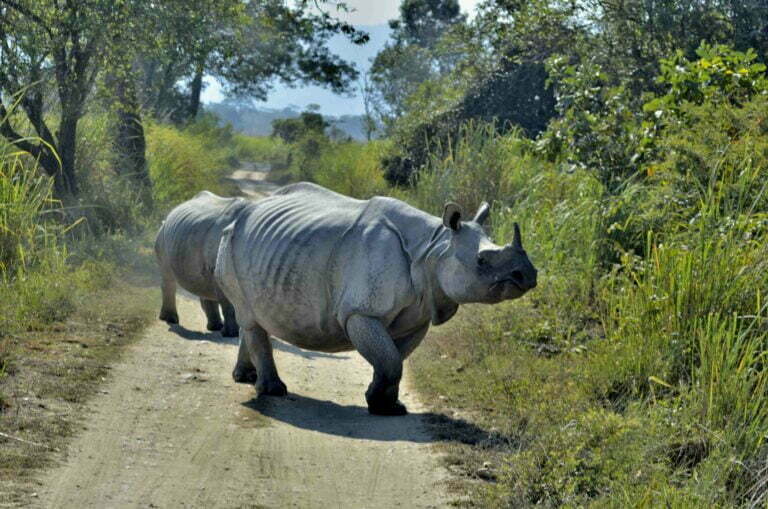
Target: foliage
(414, 54)
(291, 130)
(352, 168)
(634, 373)
(25, 197)
(721, 75)
(246, 45)
(267, 149)
(183, 163)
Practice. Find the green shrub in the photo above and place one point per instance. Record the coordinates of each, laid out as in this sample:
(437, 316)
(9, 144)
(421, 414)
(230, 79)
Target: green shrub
(263, 149)
(721, 75)
(352, 168)
(25, 238)
(183, 163)
(291, 130)
(599, 126)
(37, 285)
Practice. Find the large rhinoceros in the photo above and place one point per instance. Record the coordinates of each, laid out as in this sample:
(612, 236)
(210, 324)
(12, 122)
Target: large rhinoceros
(330, 273)
(186, 248)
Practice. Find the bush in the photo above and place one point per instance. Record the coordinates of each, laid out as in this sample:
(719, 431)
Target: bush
(352, 168)
(25, 239)
(270, 150)
(291, 130)
(183, 163)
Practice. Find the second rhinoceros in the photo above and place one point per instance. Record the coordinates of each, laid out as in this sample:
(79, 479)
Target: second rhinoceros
(330, 273)
(186, 246)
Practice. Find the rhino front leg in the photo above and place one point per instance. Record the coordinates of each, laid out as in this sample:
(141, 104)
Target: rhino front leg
(259, 350)
(374, 343)
(211, 309)
(231, 328)
(168, 311)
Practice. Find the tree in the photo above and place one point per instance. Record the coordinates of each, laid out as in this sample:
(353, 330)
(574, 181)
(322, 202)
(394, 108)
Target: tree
(370, 126)
(44, 42)
(291, 130)
(246, 46)
(410, 59)
(53, 52)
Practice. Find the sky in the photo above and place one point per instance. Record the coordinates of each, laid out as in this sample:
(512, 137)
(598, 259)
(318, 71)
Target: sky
(369, 15)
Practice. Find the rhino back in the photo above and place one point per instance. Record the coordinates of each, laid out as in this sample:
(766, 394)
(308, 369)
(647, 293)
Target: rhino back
(189, 238)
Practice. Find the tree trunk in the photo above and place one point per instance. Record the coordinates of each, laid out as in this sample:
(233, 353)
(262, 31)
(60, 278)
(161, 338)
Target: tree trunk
(195, 89)
(44, 153)
(66, 178)
(129, 136)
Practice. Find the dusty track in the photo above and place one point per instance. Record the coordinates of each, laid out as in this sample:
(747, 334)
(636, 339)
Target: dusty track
(171, 429)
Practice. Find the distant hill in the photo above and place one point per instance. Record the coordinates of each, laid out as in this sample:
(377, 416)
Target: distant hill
(258, 121)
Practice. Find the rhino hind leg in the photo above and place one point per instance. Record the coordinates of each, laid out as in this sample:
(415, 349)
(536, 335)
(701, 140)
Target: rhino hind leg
(256, 347)
(211, 309)
(231, 329)
(374, 343)
(245, 371)
(168, 311)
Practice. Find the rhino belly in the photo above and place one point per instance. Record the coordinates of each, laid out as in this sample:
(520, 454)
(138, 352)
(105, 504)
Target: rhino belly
(296, 319)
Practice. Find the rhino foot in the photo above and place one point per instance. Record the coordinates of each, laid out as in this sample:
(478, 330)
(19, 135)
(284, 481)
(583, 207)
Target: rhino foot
(271, 388)
(245, 376)
(395, 408)
(230, 331)
(171, 317)
(214, 326)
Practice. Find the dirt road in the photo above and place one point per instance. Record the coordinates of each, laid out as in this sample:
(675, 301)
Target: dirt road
(171, 429)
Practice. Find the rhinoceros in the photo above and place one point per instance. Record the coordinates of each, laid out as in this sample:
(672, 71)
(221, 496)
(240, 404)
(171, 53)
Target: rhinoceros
(186, 248)
(329, 273)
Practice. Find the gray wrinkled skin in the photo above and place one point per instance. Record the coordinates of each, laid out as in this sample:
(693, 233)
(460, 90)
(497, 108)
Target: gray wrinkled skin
(186, 248)
(330, 273)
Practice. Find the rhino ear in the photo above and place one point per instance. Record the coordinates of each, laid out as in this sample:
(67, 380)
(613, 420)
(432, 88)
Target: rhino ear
(482, 213)
(452, 216)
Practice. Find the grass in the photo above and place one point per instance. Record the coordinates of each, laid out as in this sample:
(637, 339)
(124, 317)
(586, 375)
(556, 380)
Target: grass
(49, 375)
(181, 164)
(264, 149)
(78, 283)
(634, 375)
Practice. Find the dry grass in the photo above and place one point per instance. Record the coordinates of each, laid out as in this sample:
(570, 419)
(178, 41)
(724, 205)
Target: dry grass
(50, 374)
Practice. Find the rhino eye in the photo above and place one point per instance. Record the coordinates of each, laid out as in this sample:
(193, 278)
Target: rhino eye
(481, 261)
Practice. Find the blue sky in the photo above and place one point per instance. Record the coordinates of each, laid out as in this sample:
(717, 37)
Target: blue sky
(370, 15)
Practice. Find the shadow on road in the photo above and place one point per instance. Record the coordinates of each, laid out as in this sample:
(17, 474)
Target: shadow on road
(355, 422)
(192, 335)
(216, 337)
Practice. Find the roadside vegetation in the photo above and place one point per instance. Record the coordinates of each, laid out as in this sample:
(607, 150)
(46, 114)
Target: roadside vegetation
(629, 140)
(101, 133)
(635, 374)
(78, 284)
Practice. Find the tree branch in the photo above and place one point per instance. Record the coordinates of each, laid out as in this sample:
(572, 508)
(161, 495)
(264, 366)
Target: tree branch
(31, 15)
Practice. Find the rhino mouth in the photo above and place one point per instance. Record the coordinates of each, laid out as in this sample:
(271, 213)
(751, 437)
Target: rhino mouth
(499, 285)
(505, 289)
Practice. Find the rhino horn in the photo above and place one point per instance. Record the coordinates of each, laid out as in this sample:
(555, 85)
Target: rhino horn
(517, 241)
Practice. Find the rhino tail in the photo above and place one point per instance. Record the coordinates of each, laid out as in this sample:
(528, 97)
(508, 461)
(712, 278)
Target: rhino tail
(225, 271)
(159, 239)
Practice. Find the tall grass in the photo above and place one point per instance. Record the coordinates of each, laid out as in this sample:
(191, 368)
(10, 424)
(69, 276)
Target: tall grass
(352, 168)
(24, 195)
(263, 149)
(651, 299)
(181, 164)
(34, 278)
